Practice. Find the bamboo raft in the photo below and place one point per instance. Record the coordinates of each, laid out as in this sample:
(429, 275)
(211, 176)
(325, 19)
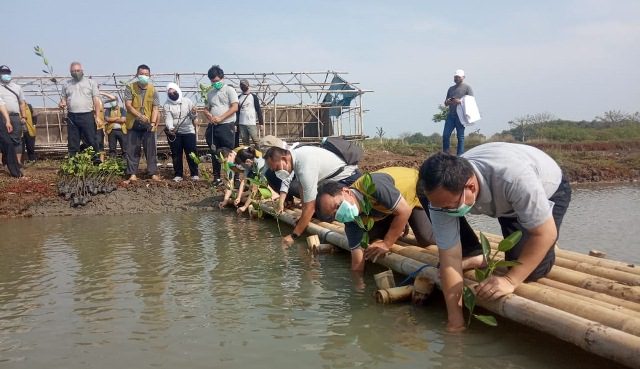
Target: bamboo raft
(590, 302)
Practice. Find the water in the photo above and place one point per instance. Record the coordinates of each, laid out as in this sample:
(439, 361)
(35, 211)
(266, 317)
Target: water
(209, 290)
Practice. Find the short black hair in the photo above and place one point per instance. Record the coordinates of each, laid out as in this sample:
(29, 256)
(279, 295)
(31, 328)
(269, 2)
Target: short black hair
(331, 189)
(247, 153)
(143, 66)
(225, 151)
(215, 71)
(443, 170)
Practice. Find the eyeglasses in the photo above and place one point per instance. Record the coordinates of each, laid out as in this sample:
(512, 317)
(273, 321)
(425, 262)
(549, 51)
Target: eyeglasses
(449, 210)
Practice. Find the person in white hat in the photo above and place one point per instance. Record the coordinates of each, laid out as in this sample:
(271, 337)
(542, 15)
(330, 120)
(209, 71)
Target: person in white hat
(454, 95)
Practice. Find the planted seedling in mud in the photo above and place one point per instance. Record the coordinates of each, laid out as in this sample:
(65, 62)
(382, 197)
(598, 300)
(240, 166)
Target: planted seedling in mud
(196, 159)
(366, 222)
(260, 191)
(79, 177)
(481, 274)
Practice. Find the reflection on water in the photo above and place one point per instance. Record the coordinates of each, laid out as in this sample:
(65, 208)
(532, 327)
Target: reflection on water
(602, 217)
(203, 290)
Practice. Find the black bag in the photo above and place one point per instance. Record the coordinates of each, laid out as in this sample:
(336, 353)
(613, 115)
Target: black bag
(346, 150)
(140, 127)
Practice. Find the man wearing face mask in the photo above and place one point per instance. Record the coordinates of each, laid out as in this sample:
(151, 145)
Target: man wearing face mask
(115, 128)
(221, 108)
(518, 184)
(142, 102)
(7, 146)
(13, 97)
(81, 98)
(247, 113)
(395, 204)
(313, 166)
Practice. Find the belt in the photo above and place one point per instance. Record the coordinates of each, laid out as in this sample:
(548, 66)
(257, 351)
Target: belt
(14, 114)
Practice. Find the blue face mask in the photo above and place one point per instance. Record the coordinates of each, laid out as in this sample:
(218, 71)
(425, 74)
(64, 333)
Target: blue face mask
(217, 85)
(460, 211)
(143, 80)
(6, 78)
(346, 212)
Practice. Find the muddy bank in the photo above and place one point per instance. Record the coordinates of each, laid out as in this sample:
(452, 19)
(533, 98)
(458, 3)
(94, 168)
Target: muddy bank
(37, 195)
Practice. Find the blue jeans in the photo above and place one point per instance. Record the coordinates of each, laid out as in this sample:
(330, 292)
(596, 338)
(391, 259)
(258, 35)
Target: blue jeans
(453, 122)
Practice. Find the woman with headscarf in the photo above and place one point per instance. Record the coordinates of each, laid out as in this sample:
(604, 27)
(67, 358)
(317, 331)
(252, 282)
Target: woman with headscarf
(180, 129)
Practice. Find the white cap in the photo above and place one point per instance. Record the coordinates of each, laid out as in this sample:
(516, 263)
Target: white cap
(459, 73)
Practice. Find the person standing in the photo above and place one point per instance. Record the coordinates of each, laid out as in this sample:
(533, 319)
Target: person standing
(13, 98)
(180, 128)
(81, 98)
(221, 108)
(115, 127)
(249, 109)
(518, 184)
(142, 101)
(7, 146)
(455, 94)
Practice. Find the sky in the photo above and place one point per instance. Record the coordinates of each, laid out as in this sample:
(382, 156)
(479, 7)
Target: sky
(573, 59)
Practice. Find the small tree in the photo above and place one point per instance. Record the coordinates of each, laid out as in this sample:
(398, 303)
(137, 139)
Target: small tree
(380, 133)
(523, 124)
(612, 117)
(441, 115)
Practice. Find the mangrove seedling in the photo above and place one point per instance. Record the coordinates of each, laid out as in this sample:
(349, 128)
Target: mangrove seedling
(201, 169)
(366, 222)
(492, 262)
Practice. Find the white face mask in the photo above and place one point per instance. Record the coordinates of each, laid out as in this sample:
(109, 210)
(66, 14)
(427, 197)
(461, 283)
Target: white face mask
(282, 174)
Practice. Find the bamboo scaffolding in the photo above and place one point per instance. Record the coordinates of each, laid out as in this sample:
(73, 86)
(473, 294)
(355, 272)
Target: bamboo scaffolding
(611, 330)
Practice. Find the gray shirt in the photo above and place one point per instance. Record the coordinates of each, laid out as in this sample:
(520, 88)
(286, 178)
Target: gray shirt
(514, 181)
(313, 165)
(10, 100)
(219, 101)
(458, 92)
(80, 94)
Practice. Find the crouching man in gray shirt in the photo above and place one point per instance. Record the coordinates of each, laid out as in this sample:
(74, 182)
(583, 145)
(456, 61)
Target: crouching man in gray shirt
(518, 184)
(312, 166)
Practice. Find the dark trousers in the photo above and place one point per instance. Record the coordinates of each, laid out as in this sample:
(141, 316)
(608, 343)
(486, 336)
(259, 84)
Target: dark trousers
(561, 199)
(217, 137)
(419, 222)
(453, 122)
(29, 146)
(8, 149)
(183, 143)
(468, 239)
(81, 126)
(116, 136)
(148, 141)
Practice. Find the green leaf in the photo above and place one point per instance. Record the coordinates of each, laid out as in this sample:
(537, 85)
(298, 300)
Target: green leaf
(45, 71)
(359, 222)
(506, 264)
(509, 242)
(487, 319)
(486, 247)
(45, 61)
(364, 242)
(481, 275)
(370, 223)
(264, 192)
(469, 298)
(367, 181)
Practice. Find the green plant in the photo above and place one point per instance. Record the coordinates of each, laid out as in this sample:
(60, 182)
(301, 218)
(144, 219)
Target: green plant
(441, 115)
(492, 262)
(203, 91)
(202, 171)
(262, 192)
(366, 207)
(49, 68)
(79, 177)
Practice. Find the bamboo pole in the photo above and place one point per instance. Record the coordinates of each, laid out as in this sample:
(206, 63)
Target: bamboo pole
(592, 336)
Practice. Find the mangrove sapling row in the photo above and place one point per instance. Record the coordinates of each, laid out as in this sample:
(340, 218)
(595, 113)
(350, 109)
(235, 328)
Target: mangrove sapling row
(79, 177)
